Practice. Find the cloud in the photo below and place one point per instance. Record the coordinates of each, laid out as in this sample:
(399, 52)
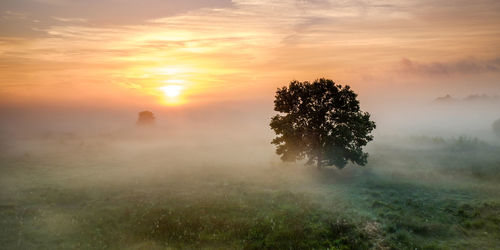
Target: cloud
(463, 66)
(470, 99)
(53, 1)
(248, 45)
(108, 12)
(14, 15)
(70, 20)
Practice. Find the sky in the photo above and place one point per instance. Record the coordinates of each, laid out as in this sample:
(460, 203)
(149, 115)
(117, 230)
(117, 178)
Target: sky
(179, 54)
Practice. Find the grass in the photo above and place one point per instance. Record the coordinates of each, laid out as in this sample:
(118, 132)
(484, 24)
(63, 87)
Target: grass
(413, 197)
(228, 217)
(423, 217)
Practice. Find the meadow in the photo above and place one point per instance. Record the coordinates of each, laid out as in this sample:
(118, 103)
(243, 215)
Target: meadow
(144, 191)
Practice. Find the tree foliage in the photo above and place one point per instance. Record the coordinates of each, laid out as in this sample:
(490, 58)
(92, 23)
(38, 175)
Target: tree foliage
(320, 121)
(146, 118)
(496, 127)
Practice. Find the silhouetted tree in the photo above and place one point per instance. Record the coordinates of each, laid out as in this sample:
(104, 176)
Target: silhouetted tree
(146, 118)
(496, 127)
(321, 121)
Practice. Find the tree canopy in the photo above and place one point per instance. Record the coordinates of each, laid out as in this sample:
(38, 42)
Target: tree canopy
(496, 127)
(320, 121)
(146, 118)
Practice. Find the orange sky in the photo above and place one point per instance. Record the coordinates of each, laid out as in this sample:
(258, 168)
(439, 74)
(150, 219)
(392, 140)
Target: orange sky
(124, 52)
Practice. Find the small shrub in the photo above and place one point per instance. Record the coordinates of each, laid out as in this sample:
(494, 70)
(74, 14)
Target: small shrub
(496, 127)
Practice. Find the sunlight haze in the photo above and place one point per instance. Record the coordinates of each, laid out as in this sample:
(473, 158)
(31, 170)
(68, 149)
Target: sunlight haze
(229, 50)
(249, 124)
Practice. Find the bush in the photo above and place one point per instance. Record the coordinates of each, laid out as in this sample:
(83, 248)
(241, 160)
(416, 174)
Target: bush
(496, 127)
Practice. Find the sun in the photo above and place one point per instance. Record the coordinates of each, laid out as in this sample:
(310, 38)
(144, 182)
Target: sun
(171, 91)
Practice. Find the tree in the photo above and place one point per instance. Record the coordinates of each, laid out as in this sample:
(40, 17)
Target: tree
(496, 127)
(146, 118)
(321, 121)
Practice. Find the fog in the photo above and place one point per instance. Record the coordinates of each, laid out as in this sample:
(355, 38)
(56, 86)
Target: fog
(74, 176)
(235, 135)
(455, 116)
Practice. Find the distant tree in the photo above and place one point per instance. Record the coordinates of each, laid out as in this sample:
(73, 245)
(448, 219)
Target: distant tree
(321, 121)
(496, 127)
(146, 118)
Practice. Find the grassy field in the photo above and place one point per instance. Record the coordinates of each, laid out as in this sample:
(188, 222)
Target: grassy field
(69, 192)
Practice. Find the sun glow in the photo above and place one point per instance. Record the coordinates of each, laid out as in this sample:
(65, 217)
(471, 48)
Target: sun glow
(171, 91)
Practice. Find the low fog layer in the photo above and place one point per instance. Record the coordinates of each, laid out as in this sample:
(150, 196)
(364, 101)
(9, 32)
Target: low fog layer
(206, 177)
(445, 117)
(225, 136)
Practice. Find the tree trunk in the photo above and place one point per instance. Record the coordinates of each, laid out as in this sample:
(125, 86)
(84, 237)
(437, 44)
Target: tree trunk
(318, 163)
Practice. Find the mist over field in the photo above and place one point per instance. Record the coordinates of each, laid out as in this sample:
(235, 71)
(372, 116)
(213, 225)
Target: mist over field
(93, 178)
(249, 124)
